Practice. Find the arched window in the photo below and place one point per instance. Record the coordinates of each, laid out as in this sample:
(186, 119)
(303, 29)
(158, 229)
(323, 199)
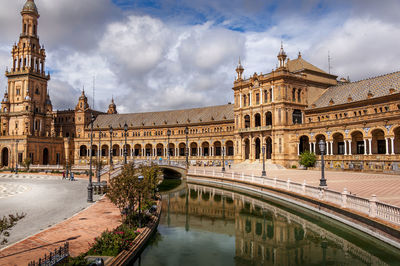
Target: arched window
(299, 96)
(294, 95)
(246, 121)
(270, 95)
(297, 117)
(244, 100)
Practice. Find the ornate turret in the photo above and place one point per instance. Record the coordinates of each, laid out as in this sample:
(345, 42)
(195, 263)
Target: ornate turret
(239, 71)
(30, 7)
(82, 103)
(282, 57)
(112, 108)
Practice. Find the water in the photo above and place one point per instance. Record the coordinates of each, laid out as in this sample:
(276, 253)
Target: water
(211, 226)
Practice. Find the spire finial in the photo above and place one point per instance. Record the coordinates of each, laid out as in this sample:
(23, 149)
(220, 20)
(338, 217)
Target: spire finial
(299, 56)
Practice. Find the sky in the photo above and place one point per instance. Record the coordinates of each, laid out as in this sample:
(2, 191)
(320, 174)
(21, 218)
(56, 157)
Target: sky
(171, 54)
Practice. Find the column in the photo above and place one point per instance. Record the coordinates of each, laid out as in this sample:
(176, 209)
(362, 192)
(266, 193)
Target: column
(313, 146)
(350, 147)
(310, 146)
(331, 142)
(240, 100)
(370, 146)
(387, 146)
(261, 96)
(250, 100)
(345, 147)
(298, 148)
(365, 147)
(392, 143)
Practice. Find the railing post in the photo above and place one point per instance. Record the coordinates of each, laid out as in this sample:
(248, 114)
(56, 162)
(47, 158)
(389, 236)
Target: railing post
(372, 207)
(288, 184)
(322, 194)
(252, 177)
(233, 175)
(344, 198)
(303, 188)
(274, 184)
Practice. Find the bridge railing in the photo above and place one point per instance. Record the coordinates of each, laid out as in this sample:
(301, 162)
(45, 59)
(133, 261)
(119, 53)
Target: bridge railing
(370, 207)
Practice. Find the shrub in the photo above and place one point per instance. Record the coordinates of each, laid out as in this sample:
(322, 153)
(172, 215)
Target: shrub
(308, 159)
(294, 166)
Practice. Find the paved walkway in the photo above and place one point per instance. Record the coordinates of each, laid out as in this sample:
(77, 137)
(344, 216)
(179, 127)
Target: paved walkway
(79, 231)
(385, 187)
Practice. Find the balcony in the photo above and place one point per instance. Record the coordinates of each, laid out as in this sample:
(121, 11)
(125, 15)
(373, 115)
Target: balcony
(254, 129)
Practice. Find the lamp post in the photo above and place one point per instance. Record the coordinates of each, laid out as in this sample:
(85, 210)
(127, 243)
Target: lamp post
(187, 146)
(16, 157)
(125, 149)
(168, 134)
(111, 149)
(140, 194)
(223, 159)
(322, 146)
(99, 159)
(90, 187)
(263, 155)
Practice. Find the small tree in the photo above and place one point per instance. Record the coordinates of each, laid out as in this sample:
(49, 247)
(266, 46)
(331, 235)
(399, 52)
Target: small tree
(27, 163)
(6, 223)
(308, 159)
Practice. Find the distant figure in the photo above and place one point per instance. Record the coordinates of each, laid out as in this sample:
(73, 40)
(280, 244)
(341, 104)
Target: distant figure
(63, 175)
(229, 165)
(72, 176)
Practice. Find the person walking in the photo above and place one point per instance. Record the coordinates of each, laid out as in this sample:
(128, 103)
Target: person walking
(72, 176)
(63, 175)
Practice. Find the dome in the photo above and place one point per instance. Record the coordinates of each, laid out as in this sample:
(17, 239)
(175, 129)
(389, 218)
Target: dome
(30, 6)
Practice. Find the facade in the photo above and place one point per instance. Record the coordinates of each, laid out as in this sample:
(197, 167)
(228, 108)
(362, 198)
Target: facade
(286, 112)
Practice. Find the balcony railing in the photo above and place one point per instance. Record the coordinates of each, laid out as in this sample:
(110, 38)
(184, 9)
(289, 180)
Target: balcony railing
(254, 129)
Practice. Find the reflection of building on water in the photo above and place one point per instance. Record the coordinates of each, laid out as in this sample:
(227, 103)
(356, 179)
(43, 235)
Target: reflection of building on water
(265, 234)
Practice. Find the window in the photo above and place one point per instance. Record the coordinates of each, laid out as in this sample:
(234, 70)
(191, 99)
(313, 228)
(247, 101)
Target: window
(381, 146)
(257, 98)
(294, 95)
(340, 148)
(299, 95)
(37, 91)
(360, 147)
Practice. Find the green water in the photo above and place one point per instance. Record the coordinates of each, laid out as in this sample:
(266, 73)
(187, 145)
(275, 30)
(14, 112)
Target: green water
(209, 226)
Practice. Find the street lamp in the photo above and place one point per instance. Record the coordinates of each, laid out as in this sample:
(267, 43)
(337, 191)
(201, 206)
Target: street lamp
(263, 155)
(16, 155)
(99, 159)
(125, 149)
(140, 194)
(90, 187)
(322, 146)
(187, 146)
(168, 134)
(111, 148)
(223, 159)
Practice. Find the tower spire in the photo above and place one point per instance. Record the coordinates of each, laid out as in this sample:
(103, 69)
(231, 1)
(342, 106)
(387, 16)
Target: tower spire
(282, 57)
(239, 70)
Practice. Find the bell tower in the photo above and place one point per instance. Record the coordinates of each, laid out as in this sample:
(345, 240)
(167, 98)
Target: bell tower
(27, 96)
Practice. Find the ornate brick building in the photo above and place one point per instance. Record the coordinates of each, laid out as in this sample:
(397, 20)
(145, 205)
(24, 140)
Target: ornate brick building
(287, 111)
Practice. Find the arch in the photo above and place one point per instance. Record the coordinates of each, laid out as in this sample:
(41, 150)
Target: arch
(148, 150)
(205, 147)
(268, 118)
(268, 146)
(128, 150)
(246, 149)
(171, 149)
(182, 148)
(94, 150)
(83, 151)
(378, 141)
(258, 148)
(357, 142)
(304, 144)
(137, 150)
(297, 117)
(160, 149)
(104, 150)
(45, 156)
(115, 150)
(338, 143)
(193, 149)
(229, 148)
(318, 138)
(396, 133)
(257, 120)
(217, 148)
(246, 121)
(4, 157)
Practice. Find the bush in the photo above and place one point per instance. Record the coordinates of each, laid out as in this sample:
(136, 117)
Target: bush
(308, 159)
(294, 166)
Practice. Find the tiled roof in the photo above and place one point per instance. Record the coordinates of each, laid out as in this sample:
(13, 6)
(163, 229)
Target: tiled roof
(360, 90)
(167, 118)
(301, 64)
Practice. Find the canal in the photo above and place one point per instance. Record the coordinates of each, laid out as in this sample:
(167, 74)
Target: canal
(203, 225)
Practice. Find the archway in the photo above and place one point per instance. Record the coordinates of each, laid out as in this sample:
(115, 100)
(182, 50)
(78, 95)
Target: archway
(83, 151)
(138, 150)
(115, 150)
(247, 149)
(217, 148)
(160, 149)
(246, 121)
(378, 141)
(205, 148)
(182, 147)
(257, 120)
(4, 157)
(229, 148)
(94, 150)
(193, 149)
(269, 148)
(104, 151)
(397, 140)
(45, 156)
(338, 144)
(318, 138)
(171, 149)
(297, 117)
(258, 148)
(304, 144)
(357, 143)
(149, 150)
(268, 119)
(128, 150)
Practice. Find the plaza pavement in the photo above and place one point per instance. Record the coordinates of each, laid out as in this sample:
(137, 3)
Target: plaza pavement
(385, 186)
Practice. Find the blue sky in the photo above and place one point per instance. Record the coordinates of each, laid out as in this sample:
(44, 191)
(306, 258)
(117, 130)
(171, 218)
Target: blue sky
(159, 55)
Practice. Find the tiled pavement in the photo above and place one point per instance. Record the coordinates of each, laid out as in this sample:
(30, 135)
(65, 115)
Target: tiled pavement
(79, 231)
(386, 187)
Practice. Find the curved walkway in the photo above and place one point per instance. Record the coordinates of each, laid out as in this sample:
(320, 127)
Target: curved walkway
(384, 186)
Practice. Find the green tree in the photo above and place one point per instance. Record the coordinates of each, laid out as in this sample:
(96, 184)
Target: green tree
(27, 163)
(6, 223)
(308, 159)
